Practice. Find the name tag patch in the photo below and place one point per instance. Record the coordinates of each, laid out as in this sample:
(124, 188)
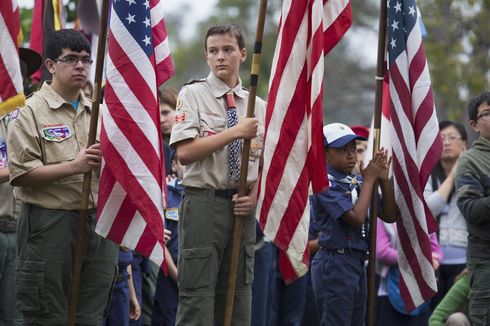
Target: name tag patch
(172, 214)
(56, 133)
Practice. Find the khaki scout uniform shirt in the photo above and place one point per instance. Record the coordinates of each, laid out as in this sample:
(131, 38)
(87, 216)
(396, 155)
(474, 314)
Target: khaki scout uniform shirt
(48, 131)
(7, 202)
(201, 112)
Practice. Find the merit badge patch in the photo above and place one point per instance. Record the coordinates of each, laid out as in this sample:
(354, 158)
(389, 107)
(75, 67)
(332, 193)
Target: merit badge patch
(56, 133)
(172, 214)
(179, 118)
(14, 115)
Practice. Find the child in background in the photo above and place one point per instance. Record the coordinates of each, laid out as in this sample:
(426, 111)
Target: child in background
(167, 293)
(338, 269)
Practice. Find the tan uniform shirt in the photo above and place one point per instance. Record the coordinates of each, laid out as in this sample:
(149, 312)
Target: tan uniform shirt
(201, 112)
(48, 131)
(7, 202)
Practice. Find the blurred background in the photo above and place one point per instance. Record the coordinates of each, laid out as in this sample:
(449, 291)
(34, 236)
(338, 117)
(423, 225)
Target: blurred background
(457, 46)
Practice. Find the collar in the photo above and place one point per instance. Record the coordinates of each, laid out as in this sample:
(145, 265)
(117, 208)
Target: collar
(55, 101)
(219, 88)
(337, 174)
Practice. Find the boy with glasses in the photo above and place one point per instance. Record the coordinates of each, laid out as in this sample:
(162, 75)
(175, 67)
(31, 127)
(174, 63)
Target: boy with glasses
(473, 197)
(48, 157)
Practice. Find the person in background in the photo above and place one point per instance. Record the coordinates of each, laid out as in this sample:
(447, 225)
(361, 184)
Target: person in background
(10, 207)
(387, 258)
(124, 304)
(361, 146)
(441, 200)
(168, 102)
(167, 293)
(453, 308)
(473, 199)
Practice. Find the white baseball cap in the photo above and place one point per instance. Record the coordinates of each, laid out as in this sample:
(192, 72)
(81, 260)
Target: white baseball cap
(338, 135)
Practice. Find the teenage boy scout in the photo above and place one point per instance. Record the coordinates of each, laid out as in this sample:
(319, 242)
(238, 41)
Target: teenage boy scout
(48, 156)
(202, 138)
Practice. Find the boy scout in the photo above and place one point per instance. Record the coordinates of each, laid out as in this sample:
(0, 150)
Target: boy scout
(48, 156)
(204, 137)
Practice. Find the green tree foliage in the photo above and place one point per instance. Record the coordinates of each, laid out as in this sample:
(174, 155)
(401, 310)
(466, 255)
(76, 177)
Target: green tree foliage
(457, 49)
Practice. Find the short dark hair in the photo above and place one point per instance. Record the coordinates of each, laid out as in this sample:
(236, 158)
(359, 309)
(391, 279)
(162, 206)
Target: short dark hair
(475, 104)
(233, 29)
(64, 39)
(168, 96)
(459, 127)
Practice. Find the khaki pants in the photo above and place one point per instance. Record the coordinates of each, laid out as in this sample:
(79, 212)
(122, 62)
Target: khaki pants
(205, 240)
(46, 246)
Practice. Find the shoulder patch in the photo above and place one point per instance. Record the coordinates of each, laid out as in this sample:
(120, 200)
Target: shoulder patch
(193, 81)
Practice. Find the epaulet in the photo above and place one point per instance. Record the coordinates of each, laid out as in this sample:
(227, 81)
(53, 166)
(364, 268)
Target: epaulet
(192, 81)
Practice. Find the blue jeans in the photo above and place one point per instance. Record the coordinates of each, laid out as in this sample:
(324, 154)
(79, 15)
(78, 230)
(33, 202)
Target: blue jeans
(261, 284)
(287, 300)
(340, 287)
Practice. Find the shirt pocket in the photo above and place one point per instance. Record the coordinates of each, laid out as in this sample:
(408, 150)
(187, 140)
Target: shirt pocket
(59, 151)
(211, 125)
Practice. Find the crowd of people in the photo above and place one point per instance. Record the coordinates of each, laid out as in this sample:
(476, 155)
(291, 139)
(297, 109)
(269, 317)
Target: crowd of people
(44, 155)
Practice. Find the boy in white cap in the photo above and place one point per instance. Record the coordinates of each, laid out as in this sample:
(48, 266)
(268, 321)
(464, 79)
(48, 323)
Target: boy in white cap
(338, 269)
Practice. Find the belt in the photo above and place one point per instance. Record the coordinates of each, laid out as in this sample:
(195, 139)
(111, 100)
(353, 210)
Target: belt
(346, 251)
(8, 226)
(224, 193)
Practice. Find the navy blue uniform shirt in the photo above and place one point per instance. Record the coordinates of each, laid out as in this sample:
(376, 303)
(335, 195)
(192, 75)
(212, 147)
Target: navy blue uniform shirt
(328, 208)
(174, 189)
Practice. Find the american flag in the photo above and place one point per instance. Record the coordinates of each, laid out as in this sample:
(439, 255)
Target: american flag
(416, 149)
(11, 87)
(293, 148)
(131, 194)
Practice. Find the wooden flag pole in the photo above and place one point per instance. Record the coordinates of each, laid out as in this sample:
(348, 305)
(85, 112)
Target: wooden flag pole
(87, 178)
(378, 99)
(242, 187)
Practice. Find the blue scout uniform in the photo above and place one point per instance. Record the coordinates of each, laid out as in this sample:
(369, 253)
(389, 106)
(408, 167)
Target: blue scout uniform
(167, 293)
(338, 270)
(119, 311)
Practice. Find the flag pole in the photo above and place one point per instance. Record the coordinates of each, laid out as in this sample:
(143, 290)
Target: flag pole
(380, 65)
(87, 178)
(242, 186)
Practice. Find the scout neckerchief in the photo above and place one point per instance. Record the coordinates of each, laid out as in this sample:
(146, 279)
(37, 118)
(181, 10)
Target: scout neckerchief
(355, 189)
(234, 146)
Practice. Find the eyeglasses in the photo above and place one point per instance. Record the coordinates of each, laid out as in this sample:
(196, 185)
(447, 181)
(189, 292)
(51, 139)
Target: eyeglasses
(73, 60)
(485, 115)
(450, 137)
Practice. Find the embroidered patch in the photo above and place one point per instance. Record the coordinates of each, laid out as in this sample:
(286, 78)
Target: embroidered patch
(56, 133)
(179, 118)
(3, 153)
(172, 214)
(14, 115)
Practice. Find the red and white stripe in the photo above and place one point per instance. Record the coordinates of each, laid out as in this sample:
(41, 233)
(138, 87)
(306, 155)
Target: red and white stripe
(132, 184)
(11, 87)
(293, 143)
(416, 146)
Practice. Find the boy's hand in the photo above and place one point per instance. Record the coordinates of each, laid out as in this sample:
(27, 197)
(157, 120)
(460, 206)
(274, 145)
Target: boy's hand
(385, 172)
(375, 167)
(167, 234)
(242, 206)
(246, 128)
(88, 159)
